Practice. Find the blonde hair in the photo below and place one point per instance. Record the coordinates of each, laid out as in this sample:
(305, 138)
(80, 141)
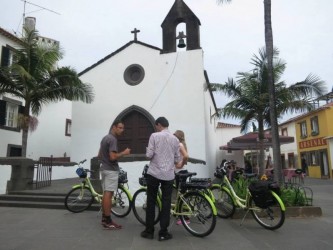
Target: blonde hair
(181, 137)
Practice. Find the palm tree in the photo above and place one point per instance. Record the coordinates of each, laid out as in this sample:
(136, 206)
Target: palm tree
(34, 78)
(270, 82)
(251, 97)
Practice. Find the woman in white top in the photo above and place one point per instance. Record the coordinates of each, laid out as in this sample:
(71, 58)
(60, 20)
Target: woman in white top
(183, 151)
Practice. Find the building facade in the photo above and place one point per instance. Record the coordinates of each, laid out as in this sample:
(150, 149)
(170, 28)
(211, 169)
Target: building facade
(314, 131)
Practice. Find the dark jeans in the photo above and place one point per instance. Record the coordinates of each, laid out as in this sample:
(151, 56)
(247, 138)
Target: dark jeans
(152, 189)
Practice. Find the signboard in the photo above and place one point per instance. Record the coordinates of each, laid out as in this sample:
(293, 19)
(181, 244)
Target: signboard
(317, 142)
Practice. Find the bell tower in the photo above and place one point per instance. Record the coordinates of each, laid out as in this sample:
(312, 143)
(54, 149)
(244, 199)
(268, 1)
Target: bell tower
(180, 13)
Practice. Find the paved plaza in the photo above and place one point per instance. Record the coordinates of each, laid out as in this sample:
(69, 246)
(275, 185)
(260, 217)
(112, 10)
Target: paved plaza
(52, 229)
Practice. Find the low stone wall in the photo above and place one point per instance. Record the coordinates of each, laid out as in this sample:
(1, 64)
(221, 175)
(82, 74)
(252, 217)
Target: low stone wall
(295, 212)
(22, 174)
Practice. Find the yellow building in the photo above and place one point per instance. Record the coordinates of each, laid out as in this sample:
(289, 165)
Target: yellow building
(314, 136)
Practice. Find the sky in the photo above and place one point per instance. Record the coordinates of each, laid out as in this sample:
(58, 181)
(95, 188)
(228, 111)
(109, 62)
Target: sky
(230, 33)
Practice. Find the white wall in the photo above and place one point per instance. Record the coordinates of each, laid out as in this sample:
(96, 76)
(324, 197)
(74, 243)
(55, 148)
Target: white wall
(224, 136)
(49, 137)
(173, 87)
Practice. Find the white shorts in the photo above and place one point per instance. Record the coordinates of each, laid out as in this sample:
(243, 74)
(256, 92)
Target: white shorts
(109, 180)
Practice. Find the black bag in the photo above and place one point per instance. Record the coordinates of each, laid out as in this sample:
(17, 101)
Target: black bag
(122, 177)
(261, 193)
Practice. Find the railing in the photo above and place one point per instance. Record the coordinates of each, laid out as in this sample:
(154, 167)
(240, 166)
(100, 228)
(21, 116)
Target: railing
(44, 172)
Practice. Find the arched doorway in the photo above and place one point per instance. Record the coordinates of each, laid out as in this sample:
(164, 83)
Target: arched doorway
(139, 125)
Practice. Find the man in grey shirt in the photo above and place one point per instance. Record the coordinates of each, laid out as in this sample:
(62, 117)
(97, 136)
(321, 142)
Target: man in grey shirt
(108, 155)
(163, 152)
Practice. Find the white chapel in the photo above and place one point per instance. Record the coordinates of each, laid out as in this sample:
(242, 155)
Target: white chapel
(139, 82)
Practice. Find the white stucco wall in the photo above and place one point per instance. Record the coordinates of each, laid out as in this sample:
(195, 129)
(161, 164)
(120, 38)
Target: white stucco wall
(49, 137)
(173, 87)
(224, 136)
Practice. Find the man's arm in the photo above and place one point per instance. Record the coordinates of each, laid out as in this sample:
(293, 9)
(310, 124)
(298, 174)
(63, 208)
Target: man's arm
(115, 156)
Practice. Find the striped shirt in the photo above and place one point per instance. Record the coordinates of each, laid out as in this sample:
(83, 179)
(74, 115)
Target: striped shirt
(163, 152)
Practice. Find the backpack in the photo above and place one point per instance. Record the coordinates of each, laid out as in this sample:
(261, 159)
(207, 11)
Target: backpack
(261, 193)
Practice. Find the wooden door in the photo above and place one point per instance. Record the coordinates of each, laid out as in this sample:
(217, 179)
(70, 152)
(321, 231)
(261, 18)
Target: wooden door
(137, 132)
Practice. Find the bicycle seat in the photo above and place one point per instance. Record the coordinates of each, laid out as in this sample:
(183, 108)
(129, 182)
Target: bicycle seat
(188, 174)
(299, 171)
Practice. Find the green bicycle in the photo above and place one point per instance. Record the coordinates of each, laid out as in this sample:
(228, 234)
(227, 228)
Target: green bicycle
(190, 204)
(82, 196)
(266, 207)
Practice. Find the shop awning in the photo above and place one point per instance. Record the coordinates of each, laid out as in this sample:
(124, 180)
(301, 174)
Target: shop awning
(250, 141)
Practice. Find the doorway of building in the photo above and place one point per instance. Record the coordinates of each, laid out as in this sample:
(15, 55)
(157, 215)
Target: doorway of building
(138, 129)
(323, 161)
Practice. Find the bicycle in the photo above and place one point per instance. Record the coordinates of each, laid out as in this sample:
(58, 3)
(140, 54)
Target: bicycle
(190, 204)
(268, 210)
(82, 196)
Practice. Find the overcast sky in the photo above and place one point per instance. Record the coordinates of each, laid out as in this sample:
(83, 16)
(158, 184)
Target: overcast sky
(230, 33)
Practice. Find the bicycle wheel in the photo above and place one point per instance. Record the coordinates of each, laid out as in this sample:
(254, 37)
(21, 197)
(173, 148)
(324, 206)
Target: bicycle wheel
(224, 203)
(121, 203)
(196, 214)
(78, 199)
(271, 217)
(139, 206)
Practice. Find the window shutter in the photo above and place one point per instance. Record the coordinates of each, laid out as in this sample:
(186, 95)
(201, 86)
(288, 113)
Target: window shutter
(21, 109)
(2, 113)
(5, 56)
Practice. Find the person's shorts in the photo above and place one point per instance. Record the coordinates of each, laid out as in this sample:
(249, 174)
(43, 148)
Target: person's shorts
(109, 180)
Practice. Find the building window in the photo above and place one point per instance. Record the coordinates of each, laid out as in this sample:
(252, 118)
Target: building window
(284, 132)
(134, 74)
(7, 56)
(313, 157)
(304, 133)
(9, 113)
(314, 126)
(68, 127)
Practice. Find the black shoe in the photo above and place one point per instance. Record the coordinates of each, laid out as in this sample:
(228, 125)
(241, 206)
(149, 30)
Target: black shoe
(145, 234)
(166, 236)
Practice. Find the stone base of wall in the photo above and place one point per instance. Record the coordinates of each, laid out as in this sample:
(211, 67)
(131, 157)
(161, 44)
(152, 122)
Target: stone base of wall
(291, 212)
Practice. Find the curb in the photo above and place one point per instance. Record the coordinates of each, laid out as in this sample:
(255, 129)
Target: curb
(291, 212)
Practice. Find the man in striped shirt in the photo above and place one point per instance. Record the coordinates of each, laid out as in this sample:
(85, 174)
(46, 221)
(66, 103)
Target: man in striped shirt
(163, 152)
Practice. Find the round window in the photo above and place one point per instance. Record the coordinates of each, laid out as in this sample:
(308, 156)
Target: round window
(134, 74)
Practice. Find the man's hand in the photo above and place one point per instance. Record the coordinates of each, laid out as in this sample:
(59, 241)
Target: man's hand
(127, 151)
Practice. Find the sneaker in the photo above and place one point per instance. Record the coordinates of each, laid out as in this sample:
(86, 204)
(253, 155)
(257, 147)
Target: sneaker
(164, 237)
(147, 235)
(111, 225)
(104, 220)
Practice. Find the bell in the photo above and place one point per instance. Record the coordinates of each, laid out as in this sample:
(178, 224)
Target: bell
(181, 43)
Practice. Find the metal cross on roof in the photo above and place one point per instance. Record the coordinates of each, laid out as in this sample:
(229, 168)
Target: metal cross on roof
(135, 31)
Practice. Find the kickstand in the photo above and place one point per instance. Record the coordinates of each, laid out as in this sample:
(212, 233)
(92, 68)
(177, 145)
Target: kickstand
(247, 211)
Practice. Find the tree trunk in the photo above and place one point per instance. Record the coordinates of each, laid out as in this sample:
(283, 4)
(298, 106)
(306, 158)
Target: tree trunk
(25, 128)
(273, 114)
(261, 145)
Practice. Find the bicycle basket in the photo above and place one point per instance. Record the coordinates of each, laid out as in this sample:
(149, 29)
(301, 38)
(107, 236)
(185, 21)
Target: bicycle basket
(261, 193)
(122, 177)
(81, 173)
(143, 181)
(219, 173)
(145, 170)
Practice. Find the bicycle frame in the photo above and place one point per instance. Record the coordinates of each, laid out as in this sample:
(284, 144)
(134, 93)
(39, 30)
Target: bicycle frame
(240, 202)
(87, 183)
(98, 197)
(180, 196)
